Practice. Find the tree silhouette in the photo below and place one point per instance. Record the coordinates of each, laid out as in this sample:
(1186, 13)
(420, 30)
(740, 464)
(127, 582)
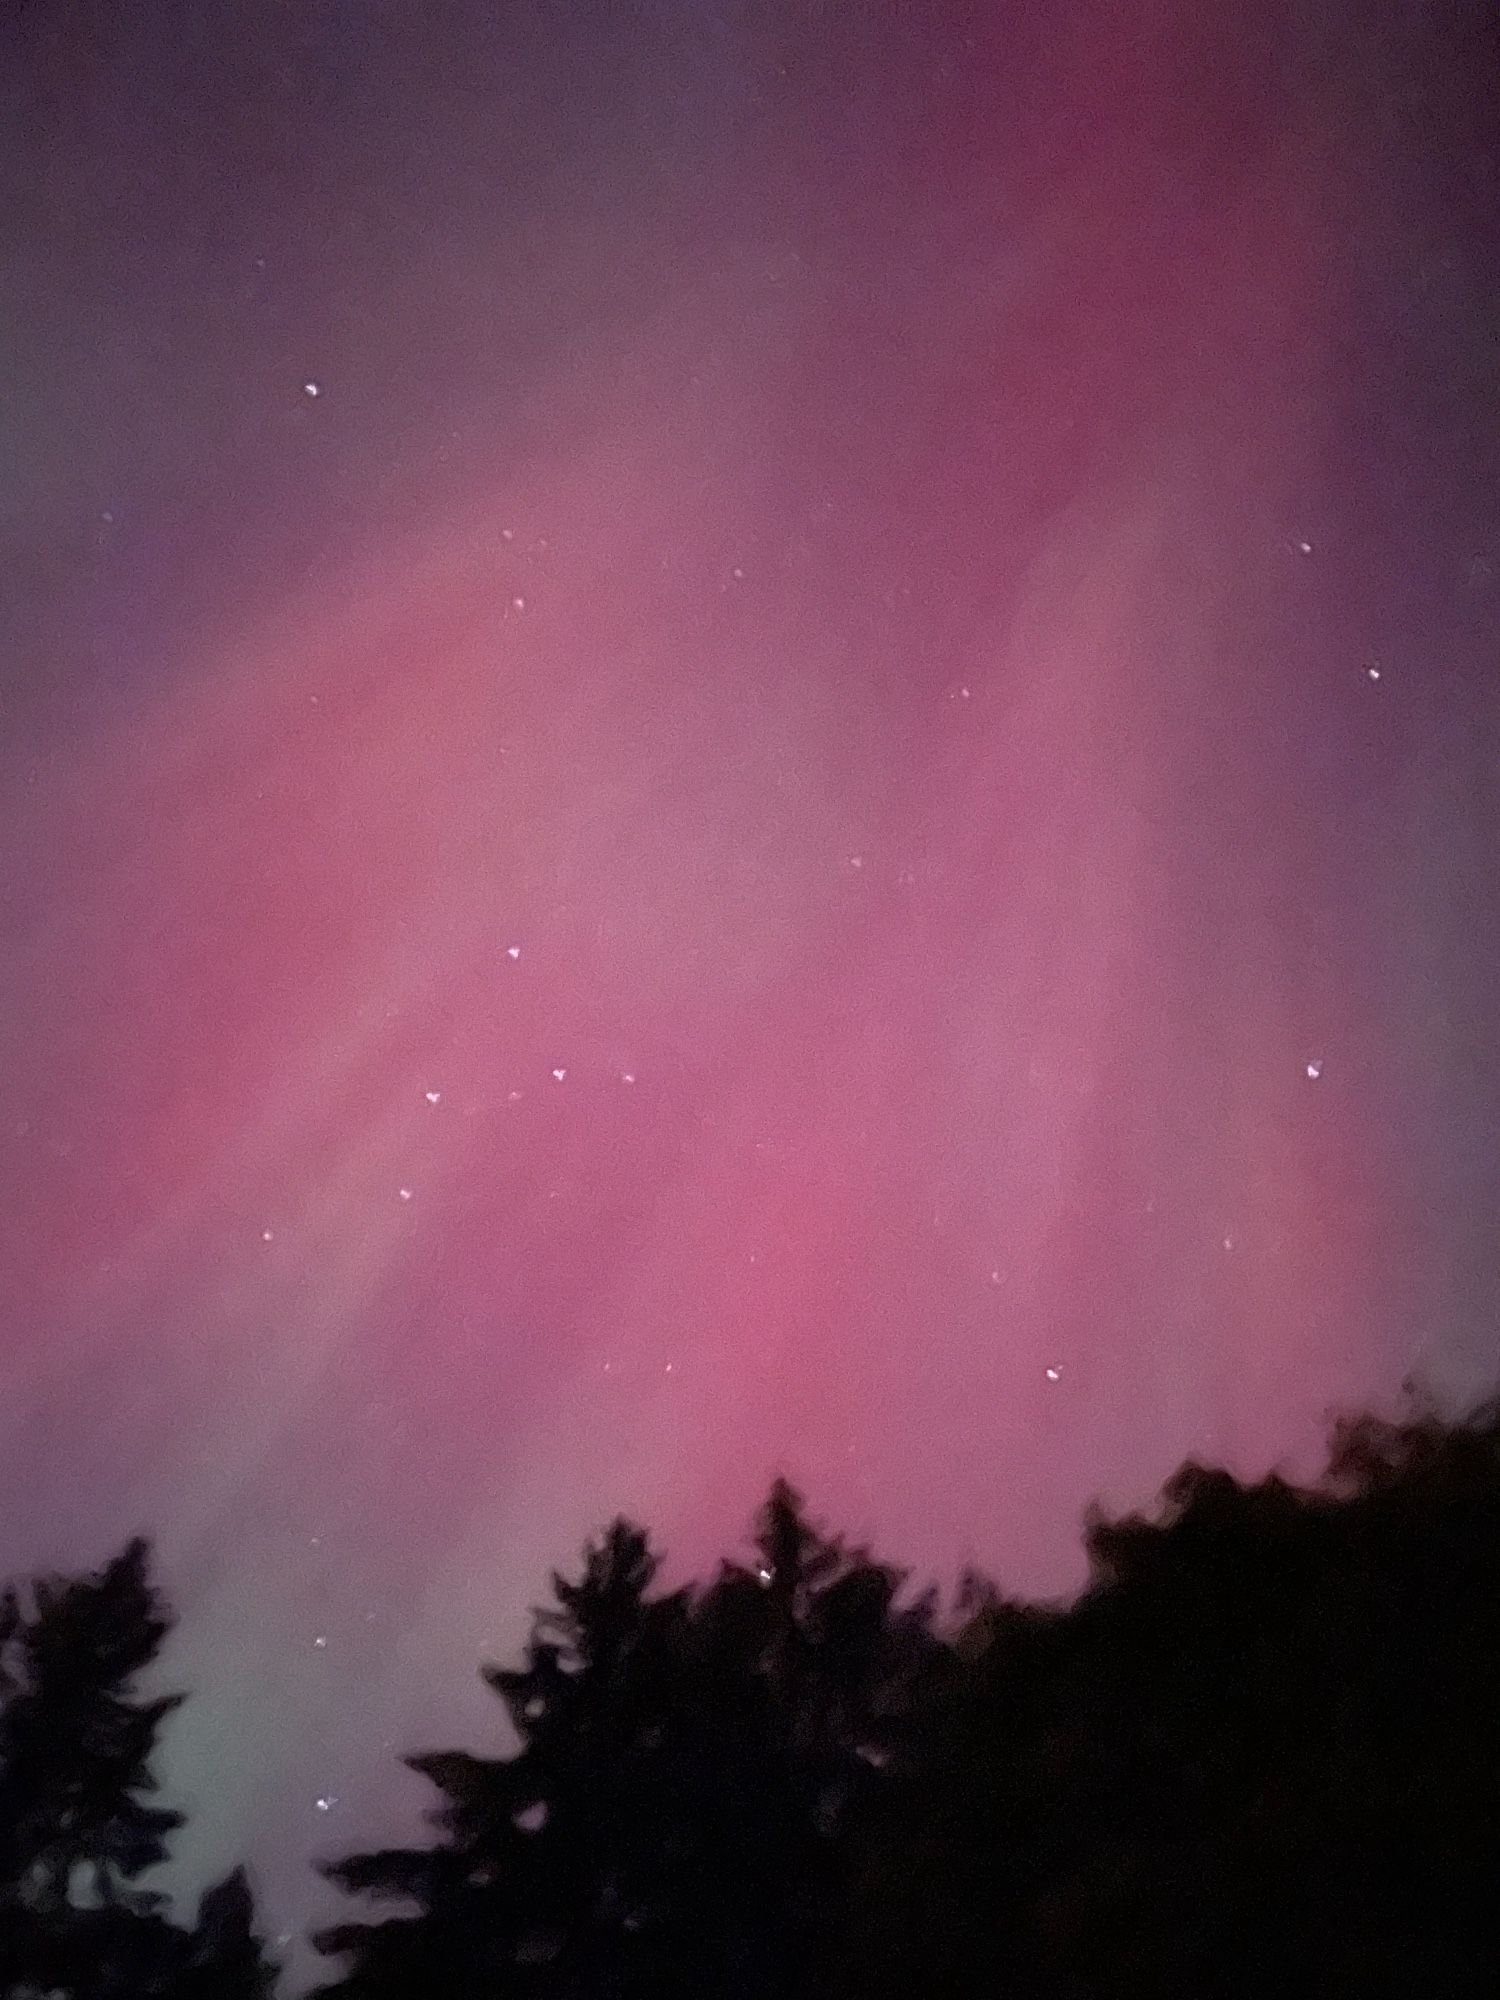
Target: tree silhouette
(76, 1742)
(687, 1766)
(223, 1957)
(76, 1828)
(77, 1825)
(555, 1862)
(1261, 1753)
(805, 1671)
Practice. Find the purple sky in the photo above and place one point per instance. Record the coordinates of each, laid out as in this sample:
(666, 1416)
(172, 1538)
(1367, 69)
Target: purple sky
(735, 738)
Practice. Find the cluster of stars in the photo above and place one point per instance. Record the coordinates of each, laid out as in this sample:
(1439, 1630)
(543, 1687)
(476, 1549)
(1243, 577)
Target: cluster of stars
(435, 1097)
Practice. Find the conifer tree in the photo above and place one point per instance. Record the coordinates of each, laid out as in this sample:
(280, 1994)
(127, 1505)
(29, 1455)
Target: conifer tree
(76, 1739)
(1260, 1753)
(78, 1827)
(224, 1958)
(552, 1873)
(670, 1823)
(807, 1670)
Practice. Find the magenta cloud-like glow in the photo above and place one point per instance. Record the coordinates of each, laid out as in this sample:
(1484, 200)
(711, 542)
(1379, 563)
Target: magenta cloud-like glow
(831, 808)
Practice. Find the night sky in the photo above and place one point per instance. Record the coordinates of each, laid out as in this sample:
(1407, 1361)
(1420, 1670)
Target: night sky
(736, 737)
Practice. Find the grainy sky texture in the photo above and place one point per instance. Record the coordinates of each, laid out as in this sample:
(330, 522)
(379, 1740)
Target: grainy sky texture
(735, 736)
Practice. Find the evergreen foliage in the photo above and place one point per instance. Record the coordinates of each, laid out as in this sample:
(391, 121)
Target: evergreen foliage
(1259, 1753)
(78, 1825)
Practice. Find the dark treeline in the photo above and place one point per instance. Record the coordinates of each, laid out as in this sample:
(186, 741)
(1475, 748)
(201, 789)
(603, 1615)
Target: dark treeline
(1259, 1754)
